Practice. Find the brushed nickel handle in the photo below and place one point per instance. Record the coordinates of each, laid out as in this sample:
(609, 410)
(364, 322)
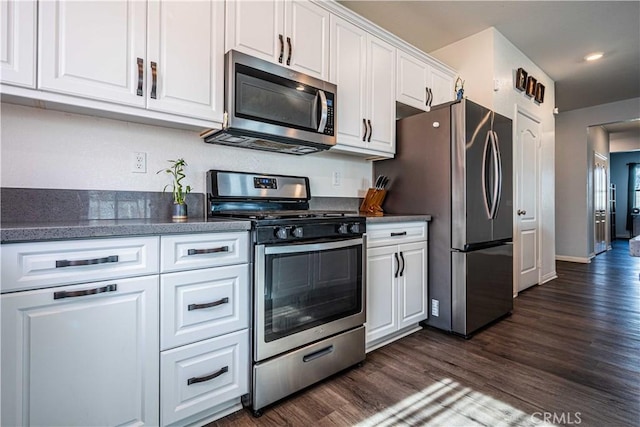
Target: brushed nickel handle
(85, 292)
(521, 212)
(290, 51)
(140, 76)
(191, 307)
(281, 48)
(208, 251)
(154, 79)
(105, 260)
(195, 380)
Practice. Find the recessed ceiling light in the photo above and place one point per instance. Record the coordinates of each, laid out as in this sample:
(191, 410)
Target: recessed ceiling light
(593, 56)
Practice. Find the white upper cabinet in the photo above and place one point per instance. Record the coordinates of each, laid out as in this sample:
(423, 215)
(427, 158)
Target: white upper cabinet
(18, 42)
(161, 55)
(93, 49)
(420, 84)
(362, 66)
(290, 33)
(185, 73)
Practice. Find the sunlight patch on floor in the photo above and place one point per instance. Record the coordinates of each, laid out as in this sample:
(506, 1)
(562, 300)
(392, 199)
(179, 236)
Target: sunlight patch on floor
(448, 403)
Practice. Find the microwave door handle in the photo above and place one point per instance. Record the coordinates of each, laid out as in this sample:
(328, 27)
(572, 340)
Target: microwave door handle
(323, 111)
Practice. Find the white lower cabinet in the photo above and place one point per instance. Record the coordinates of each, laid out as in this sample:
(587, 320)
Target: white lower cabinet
(396, 281)
(81, 355)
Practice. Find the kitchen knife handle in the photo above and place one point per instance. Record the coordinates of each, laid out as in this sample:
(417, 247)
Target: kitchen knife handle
(290, 51)
(397, 265)
(370, 130)
(195, 380)
(281, 48)
(85, 292)
(221, 301)
(402, 258)
(140, 76)
(154, 79)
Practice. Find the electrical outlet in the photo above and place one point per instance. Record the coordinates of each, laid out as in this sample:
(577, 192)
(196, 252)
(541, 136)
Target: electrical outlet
(337, 179)
(139, 162)
(435, 307)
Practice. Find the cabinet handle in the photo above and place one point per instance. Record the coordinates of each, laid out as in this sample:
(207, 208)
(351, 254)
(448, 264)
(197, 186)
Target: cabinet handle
(208, 305)
(140, 76)
(67, 263)
(216, 374)
(364, 135)
(402, 258)
(397, 264)
(317, 354)
(426, 99)
(403, 233)
(290, 51)
(208, 251)
(154, 79)
(73, 294)
(370, 130)
(430, 96)
(281, 48)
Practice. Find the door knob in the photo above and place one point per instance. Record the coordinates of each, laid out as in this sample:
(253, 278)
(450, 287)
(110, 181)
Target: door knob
(521, 212)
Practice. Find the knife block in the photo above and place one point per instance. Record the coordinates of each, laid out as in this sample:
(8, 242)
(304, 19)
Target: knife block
(372, 203)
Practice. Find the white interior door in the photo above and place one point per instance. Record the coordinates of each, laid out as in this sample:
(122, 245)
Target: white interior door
(600, 213)
(527, 179)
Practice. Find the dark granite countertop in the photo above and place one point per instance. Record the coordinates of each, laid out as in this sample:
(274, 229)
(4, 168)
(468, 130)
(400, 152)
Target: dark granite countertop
(43, 231)
(396, 218)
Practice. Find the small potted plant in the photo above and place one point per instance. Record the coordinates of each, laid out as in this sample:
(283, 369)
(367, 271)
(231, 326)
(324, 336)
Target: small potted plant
(179, 208)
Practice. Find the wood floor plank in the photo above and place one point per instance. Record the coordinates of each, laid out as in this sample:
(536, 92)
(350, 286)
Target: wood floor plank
(569, 354)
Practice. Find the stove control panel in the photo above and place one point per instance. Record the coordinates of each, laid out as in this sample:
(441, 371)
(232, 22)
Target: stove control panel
(293, 231)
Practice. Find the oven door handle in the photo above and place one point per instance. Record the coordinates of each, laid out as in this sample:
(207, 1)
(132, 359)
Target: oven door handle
(289, 249)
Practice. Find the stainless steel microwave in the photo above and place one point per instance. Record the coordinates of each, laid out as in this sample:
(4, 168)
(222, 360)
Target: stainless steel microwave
(271, 107)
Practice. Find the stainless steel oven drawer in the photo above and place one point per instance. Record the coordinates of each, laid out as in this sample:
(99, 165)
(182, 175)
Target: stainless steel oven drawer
(293, 371)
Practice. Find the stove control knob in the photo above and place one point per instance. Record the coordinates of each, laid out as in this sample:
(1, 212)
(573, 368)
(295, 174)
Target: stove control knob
(343, 229)
(281, 233)
(297, 232)
(355, 228)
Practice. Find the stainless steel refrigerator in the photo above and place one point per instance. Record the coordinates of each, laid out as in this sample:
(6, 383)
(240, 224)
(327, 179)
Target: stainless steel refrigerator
(455, 163)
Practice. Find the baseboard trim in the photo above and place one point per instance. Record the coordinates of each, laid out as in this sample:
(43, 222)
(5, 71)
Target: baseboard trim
(582, 260)
(548, 277)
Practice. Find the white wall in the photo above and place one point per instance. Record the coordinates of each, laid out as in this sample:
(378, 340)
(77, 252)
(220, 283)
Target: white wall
(488, 61)
(51, 149)
(573, 168)
(623, 141)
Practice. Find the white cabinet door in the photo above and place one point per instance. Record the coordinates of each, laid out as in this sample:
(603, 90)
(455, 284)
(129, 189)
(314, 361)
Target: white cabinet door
(412, 74)
(76, 360)
(18, 42)
(442, 86)
(381, 60)
(93, 49)
(307, 38)
(363, 67)
(382, 302)
(256, 28)
(184, 66)
(412, 284)
(348, 67)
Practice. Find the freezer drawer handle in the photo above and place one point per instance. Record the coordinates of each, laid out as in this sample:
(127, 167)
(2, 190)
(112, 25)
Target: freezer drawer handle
(224, 300)
(216, 374)
(317, 354)
(105, 260)
(403, 233)
(207, 251)
(73, 294)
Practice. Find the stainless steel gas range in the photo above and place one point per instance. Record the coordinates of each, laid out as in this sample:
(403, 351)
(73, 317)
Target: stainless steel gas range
(308, 281)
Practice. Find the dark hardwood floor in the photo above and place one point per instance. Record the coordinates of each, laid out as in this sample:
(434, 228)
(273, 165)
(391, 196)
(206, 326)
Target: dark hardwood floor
(568, 355)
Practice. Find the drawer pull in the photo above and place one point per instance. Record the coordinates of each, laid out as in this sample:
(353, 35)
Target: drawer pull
(404, 233)
(208, 305)
(207, 251)
(67, 263)
(216, 374)
(317, 354)
(73, 294)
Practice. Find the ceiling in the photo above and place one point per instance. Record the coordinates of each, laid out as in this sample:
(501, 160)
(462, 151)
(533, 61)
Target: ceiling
(555, 35)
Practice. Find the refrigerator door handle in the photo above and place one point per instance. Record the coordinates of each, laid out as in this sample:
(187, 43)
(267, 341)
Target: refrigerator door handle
(498, 171)
(485, 190)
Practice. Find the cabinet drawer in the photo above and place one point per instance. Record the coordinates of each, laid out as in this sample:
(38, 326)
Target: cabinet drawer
(195, 377)
(187, 252)
(200, 304)
(396, 233)
(45, 264)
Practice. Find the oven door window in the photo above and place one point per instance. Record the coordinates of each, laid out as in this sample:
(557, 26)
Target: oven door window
(310, 288)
